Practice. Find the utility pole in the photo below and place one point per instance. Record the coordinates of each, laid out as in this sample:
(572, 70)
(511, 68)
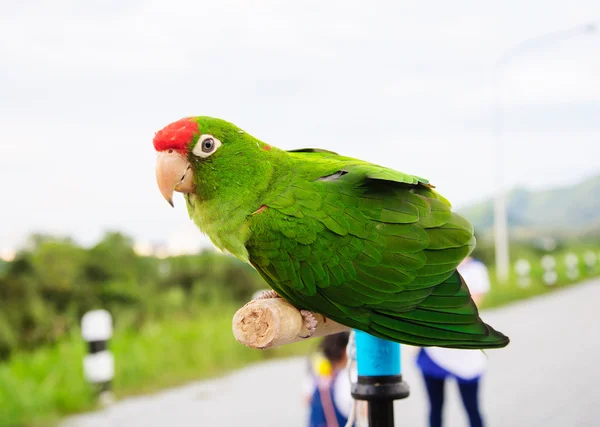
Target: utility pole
(501, 232)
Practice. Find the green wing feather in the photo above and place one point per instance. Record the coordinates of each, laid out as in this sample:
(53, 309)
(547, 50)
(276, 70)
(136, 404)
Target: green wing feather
(370, 248)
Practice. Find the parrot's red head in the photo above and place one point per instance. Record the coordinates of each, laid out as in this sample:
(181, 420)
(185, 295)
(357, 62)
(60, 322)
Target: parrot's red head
(193, 150)
(173, 171)
(177, 136)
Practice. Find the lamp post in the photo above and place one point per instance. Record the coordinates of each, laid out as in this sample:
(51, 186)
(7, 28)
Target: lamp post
(501, 237)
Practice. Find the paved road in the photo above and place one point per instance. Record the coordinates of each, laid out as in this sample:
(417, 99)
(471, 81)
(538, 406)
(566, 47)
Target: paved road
(549, 376)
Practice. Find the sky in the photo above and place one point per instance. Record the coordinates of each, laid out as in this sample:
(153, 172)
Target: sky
(409, 85)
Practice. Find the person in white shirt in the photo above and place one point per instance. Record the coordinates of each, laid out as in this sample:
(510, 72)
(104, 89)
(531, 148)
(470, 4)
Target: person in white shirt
(466, 366)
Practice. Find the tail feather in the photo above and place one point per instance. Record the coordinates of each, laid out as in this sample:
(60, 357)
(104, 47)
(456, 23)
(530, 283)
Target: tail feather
(447, 318)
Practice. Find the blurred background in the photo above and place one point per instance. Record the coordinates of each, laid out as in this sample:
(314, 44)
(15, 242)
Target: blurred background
(498, 105)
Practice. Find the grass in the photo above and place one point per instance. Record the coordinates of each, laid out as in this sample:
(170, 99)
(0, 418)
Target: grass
(39, 387)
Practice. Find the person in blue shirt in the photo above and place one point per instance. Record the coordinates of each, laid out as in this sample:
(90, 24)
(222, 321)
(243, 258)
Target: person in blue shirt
(466, 366)
(328, 391)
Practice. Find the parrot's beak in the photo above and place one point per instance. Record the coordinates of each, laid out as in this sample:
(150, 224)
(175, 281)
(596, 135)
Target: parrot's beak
(173, 173)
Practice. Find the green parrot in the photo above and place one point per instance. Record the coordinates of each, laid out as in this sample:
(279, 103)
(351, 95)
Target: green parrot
(364, 245)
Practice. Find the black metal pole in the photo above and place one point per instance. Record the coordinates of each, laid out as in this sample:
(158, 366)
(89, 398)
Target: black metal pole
(381, 413)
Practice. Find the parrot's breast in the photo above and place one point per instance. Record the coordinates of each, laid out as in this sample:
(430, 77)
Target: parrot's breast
(225, 227)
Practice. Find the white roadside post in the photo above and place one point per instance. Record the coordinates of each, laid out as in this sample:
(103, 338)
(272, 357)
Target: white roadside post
(523, 270)
(99, 363)
(549, 266)
(572, 263)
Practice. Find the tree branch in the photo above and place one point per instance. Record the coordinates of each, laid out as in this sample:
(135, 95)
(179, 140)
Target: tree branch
(268, 323)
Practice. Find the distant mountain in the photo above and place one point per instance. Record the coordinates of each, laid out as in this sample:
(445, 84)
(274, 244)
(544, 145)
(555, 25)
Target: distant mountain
(570, 208)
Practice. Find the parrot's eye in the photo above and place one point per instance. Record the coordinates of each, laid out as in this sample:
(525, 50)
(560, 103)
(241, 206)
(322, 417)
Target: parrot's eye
(207, 144)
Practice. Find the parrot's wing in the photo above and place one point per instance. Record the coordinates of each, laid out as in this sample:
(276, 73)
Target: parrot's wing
(369, 170)
(384, 174)
(374, 249)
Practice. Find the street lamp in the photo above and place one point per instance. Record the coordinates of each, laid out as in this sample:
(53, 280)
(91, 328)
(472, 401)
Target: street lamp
(501, 238)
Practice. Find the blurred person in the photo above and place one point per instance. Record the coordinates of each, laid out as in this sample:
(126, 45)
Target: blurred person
(328, 389)
(466, 366)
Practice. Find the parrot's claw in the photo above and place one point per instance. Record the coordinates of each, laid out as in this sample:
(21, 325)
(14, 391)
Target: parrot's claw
(310, 322)
(267, 295)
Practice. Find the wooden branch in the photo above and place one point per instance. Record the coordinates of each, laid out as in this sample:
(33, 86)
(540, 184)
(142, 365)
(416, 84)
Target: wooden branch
(268, 323)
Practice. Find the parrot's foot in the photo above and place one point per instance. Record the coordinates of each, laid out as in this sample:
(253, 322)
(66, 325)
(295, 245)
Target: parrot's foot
(267, 295)
(310, 322)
